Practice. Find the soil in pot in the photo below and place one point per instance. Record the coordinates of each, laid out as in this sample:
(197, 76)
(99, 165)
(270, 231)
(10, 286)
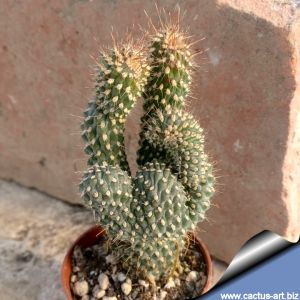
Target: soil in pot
(97, 275)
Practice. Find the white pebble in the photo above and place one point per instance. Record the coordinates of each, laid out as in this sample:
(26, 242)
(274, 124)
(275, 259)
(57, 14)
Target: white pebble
(163, 295)
(103, 281)
(99, 294)
(73, 278)
(192, 276)
(81, 288)
(85, 297)
(170, 284)
(144, 283)
(126, 288)
(121, 277)
(109, 298)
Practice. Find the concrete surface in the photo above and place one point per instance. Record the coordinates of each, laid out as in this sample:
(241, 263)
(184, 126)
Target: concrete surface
(36, 231)
(246, 98)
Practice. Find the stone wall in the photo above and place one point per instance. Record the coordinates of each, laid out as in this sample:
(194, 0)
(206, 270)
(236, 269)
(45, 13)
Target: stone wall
(246, 97)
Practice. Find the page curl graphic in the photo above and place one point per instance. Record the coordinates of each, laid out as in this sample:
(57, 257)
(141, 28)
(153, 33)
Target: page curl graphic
(258, 249)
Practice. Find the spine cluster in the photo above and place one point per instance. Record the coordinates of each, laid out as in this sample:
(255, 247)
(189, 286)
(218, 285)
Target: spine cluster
(153, 211)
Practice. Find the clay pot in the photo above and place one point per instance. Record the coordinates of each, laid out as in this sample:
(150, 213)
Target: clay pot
(90, 237)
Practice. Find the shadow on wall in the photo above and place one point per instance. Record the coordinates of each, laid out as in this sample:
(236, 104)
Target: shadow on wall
(243, 97)
(242, 92)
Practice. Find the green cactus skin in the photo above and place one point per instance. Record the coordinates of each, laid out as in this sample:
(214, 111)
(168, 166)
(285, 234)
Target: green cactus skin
(170, 76)
(162, 218)
(120, 79)
(168, 84)
(169, 134)
(107, 191)
(151, 213)
(178, 135)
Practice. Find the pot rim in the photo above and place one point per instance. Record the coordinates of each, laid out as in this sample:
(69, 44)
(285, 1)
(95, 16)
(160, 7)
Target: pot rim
(89, 237)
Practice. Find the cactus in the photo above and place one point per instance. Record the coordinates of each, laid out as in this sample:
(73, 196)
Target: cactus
(120, 77)
(151, 213)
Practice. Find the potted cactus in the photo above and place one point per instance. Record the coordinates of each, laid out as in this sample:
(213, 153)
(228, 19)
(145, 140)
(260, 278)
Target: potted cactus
(146, 220)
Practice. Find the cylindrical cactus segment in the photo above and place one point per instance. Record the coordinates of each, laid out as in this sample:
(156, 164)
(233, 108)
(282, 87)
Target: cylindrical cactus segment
(104, 137)
(162, 219)
(170, 63)
(120, 78)
(160, 208)
(107, 191)
(168, 133)
(156, 257)
(168, 83)
(181, 140)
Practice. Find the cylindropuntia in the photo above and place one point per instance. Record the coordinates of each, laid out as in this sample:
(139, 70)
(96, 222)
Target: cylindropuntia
(151, 213)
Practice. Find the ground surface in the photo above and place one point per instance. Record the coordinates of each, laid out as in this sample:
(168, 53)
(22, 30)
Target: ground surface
(35, 232)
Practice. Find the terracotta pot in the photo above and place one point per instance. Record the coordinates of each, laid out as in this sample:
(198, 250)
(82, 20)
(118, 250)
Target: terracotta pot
(90, 237)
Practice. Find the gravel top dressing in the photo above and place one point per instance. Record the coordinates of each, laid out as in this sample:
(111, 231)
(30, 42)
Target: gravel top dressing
(97, 275)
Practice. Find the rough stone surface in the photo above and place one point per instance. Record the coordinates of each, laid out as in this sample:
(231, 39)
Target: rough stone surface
(246, 98)
(103, 281)
(36, 231)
